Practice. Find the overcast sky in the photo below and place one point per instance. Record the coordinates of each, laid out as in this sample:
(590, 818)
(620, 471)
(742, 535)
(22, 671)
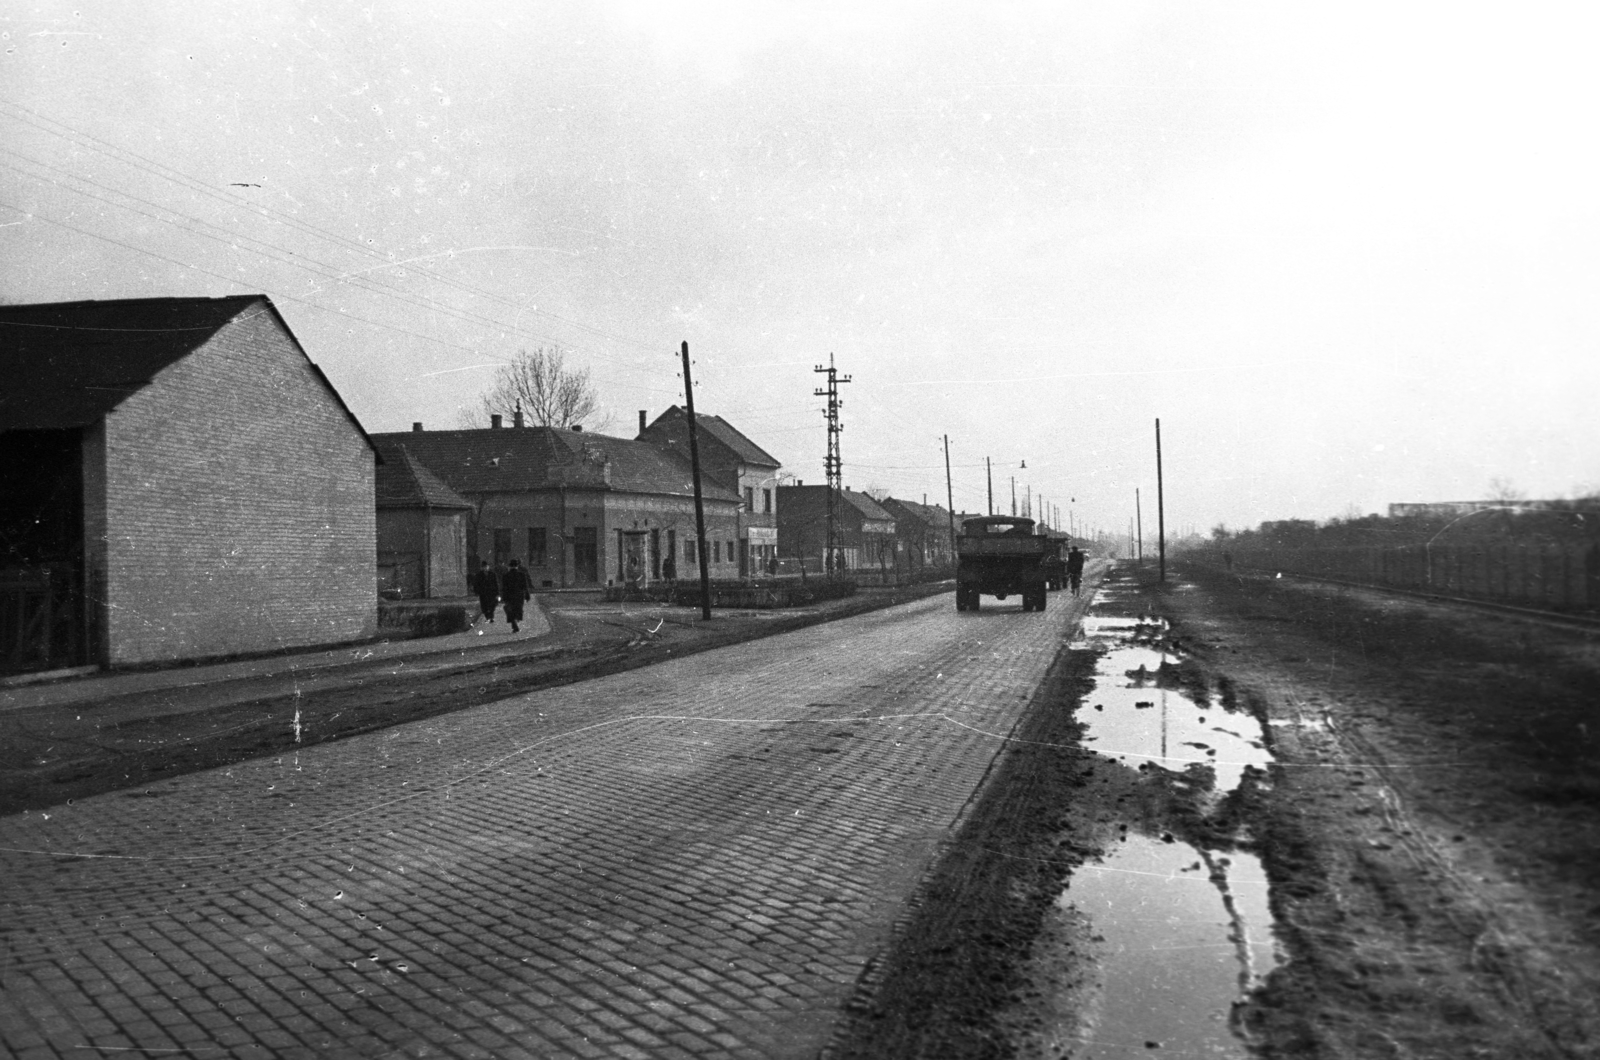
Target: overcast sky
(1346, 252)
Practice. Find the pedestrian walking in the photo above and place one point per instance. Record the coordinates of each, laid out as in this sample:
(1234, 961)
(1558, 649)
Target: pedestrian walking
(515, 590)
(1075, 568)
(487, 585)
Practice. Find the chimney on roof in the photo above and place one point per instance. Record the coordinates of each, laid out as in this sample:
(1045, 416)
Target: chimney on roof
(516, 417)
(577, 428)
(494, 420)
(641, 421)
(416, 427)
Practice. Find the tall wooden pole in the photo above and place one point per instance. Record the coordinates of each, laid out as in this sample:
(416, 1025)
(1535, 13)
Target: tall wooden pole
(699, 504)
(949, 495)
(1161, 506)
(1138, 516)
(988, 473)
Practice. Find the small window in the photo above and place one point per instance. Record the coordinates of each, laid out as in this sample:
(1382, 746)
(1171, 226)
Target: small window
(538, 555)
(766, 501)
(688, 550)
(749, 498)
(716, 551)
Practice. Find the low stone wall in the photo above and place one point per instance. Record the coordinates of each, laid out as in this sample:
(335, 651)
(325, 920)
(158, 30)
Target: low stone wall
(423, 618)
(766, 593)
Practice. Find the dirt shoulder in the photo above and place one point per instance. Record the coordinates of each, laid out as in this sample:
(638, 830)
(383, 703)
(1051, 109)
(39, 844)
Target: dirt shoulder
(1430, 826)
(1432, 831)
(50, 755)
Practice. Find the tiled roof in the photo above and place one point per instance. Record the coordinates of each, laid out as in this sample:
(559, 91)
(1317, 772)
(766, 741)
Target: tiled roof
(402, 482)
(734, 439)
(724, 432)
(519, 459)
(67, 364)
(864, 504)
(930, 514)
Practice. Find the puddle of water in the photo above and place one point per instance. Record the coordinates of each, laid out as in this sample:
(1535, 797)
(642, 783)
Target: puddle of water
(1132, 718)
(1186, 934)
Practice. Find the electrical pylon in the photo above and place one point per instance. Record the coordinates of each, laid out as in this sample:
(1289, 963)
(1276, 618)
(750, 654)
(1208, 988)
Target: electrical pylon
(832, 465)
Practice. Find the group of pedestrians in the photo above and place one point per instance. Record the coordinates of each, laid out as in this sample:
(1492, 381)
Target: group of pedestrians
(513, 589)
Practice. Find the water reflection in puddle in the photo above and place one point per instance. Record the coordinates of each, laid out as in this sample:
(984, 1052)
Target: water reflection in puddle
(1135, 717)
(1186, 933)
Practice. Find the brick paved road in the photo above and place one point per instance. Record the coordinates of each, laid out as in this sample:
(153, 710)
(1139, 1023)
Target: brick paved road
(694, 859)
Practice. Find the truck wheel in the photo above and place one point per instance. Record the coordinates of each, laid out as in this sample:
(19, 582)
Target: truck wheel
(961, 599)
(972, 600)
(1040, 601)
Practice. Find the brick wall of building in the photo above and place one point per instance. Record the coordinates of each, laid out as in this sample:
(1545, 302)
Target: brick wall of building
(236, 507)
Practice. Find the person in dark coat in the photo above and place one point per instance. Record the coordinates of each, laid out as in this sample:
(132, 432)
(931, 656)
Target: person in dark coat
(515, 589)
(487, 585)
(1075, 568)
(669, 568)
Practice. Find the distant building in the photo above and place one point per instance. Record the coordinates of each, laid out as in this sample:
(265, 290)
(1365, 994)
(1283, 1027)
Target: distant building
(864, 531)
(924, 532)
(422, 529)
(180, 482)
(736, 463)
(1450, 509)
(578, 509)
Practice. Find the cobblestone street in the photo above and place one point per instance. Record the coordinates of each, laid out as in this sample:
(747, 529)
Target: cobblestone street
(693, 859)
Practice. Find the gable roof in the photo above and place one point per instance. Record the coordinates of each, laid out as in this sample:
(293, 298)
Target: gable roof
(720, 430)
(869, 508)
(67, 364)
(402, 482)
(520, 459)
(928, 514)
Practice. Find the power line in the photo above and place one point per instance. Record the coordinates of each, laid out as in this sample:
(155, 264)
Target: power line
(165, 172)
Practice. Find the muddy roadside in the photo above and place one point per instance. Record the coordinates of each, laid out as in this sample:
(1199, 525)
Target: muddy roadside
(1423, 804)
(50, 755)
(1432, 830)
(1003, 952)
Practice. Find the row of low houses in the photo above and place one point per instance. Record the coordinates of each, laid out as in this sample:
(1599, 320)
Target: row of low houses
(183, 482)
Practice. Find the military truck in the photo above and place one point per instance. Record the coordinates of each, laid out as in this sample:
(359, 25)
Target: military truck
(1001, 555)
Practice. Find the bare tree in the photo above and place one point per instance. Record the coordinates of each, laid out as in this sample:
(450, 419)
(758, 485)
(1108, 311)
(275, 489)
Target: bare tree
(1501, 491)
(548, 392)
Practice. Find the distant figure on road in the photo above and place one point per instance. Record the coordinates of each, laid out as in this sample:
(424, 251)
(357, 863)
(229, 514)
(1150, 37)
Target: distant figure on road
(487, 585)
(1075, 568)
(515, 589)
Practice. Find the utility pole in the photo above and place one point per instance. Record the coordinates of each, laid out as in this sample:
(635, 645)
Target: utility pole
(988, 474)
(1161, 506)
(1013, 495)
(949, 495)
(1138, 516)
(699, 503)
(831, 464)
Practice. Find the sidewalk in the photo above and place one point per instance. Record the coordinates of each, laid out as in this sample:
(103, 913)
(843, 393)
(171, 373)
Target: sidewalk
(483, 636)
